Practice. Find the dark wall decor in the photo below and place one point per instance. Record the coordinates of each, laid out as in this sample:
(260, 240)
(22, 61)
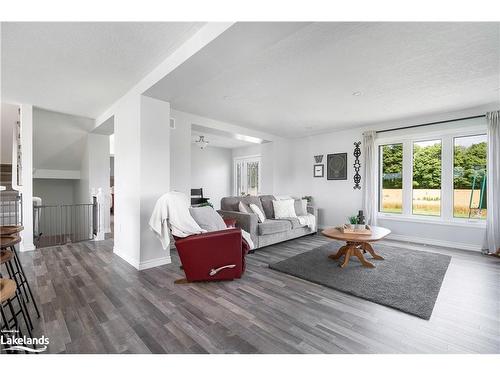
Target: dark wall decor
(318, 158)
(319, 170)
(336, 168)
(357, 165)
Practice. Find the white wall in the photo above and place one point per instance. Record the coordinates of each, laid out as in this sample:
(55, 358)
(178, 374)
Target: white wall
(154, 174)
(338, 199)
(55, 191)
(180, 152)
(211, 169)
(59, 139)
(8, 120)
(181, 164)
(142, 175)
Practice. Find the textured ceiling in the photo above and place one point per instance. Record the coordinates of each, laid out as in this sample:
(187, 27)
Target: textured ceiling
(80, 67)
(295, 79)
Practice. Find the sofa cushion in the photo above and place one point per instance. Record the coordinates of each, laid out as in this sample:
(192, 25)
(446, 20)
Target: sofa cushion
(267, 204)
(274, 226)
(243, 208)
(252, 200)
(284, 209)
(300, 207)
(230, 203)
(257, 211)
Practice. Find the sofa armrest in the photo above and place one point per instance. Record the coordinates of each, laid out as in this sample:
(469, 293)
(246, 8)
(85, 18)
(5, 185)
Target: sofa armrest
(314, 211)
(247, 222)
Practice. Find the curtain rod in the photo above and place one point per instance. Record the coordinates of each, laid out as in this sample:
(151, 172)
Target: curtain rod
(429, 123)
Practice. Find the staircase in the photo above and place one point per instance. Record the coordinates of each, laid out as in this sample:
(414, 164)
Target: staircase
(10, 200)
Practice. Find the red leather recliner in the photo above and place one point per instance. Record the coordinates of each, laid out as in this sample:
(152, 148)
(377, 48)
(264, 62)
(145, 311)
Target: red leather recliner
(212, 256)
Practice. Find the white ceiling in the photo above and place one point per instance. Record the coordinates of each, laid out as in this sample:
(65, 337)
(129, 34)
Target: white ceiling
(80, 67)
(295, 79)
(218, 141)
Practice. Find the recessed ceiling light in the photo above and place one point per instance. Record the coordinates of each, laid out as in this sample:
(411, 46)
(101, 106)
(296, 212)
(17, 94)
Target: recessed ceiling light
(356, 93)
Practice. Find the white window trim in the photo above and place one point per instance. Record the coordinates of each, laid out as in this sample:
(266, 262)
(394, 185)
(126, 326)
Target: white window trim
(446, 136)
(247, 158)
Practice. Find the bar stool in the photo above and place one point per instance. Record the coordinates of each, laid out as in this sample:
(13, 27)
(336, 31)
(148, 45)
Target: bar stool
(18, 275)
(7, 257)
(8, 294)
(9, 230)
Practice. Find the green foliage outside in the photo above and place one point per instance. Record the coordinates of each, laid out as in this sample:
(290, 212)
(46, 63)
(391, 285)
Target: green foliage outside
(392, 167)
(469, 161)
(427, 166)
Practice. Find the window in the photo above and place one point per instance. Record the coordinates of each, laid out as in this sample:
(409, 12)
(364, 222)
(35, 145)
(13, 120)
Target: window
(426, 193)
(469, 176)
(247, 175)
(391, 184)
(439, 175)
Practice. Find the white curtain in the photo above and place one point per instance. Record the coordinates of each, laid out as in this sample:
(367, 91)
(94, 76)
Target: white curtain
(370, 176)
(493, 181)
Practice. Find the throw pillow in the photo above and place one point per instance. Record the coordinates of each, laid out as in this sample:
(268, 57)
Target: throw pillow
(267, 205)
(242, 207)
(284, 209)
(207, 218)
(301, 207)
(258, 212)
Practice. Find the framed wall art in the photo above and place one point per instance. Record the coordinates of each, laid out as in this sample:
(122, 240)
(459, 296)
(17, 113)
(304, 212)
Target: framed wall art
(319, 170)
(336, 166)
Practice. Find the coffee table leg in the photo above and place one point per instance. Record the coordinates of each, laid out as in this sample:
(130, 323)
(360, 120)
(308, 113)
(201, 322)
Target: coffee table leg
(339, 253)
(366, 246)
(348, 253)
(357, 252)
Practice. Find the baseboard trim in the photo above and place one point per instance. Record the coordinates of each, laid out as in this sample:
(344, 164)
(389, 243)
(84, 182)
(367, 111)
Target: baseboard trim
(138, 265)
(154, 263)
(132, 261)
(431, 241)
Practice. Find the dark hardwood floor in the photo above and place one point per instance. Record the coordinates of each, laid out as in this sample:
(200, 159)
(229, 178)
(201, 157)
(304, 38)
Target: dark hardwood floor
(94, 302)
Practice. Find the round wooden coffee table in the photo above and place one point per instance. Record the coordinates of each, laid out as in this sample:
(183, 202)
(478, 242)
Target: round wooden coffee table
(356, 244)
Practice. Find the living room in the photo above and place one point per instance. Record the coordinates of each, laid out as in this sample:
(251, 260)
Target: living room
(278, 187)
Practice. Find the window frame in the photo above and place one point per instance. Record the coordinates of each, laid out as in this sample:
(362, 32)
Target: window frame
(380, 180)
(426, 139)
(447, 137)
(453, 168)
(246, 159)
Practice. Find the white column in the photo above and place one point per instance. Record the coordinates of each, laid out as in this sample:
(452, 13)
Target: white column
(99, 180)
(142, 173)
(27, 176)
(155, 174)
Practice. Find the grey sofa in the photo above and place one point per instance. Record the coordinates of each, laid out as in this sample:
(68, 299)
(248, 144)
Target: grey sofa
(269, 232)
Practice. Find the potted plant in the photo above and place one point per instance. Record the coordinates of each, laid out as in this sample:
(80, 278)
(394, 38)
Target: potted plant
(353, 220)
(309, 199)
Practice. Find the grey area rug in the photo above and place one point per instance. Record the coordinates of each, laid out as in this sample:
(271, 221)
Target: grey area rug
(407, 280)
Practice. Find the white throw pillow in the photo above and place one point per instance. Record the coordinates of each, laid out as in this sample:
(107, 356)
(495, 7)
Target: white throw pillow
(258, 212)
(242, 207)
(284, 209)
(301, 207)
